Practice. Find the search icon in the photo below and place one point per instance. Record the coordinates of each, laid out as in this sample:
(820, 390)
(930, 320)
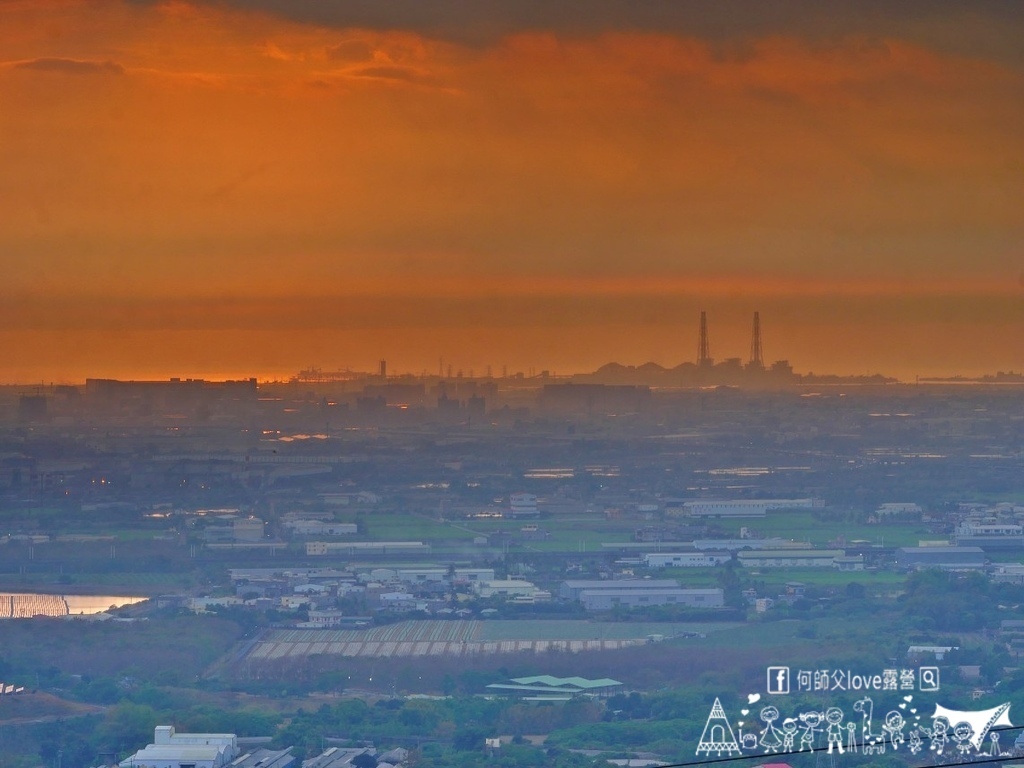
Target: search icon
(929, 677)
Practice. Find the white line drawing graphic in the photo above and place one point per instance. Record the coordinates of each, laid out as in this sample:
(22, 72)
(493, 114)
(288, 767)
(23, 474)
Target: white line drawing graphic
(770, 739)
(938, 734)
(851, 737)
(718, 736)
(789, 729)
(994, 748)
(962, 735)
(834, 729)
(915, 742)
(981, 722)
(894, 727)
(873, 743)
(812, 724)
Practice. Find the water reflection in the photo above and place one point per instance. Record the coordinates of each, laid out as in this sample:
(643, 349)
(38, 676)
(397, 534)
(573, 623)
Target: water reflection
(20, 605)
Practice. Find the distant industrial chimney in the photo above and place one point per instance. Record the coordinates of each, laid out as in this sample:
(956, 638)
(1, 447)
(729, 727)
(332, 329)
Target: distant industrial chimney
(756, 354)
(383, 369)
(703, 354)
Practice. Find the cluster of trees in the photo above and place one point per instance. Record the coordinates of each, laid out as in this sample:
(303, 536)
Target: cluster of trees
(459, 723)
(55, 653)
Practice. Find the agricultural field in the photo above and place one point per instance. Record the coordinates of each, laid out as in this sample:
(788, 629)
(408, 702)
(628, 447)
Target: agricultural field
(468, 638)
(407, 527)
(804, 526)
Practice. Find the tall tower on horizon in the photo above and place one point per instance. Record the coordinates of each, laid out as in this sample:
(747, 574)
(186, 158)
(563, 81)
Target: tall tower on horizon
(756, 353)
(703, 351)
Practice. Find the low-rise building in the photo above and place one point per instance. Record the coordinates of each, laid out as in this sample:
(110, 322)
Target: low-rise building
(319, 528)
(684, 559)
(184, 750)
(571, 589)
(741, 507)
(507, 588)
(848, 563)
(265, 758)
(364, 547)
(1009, 573)
(990, 535)
(523, 505)
(323, 620)
(898, 508)
(944, 558)
(550, 688)
(337, 757)
(790, 558)
(608, 599)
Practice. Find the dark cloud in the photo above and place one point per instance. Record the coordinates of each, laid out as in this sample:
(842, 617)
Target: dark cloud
(982, 27)
(72, 66)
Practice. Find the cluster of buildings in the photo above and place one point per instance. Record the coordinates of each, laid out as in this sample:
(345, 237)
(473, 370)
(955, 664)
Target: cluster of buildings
(437, 590)
(373, 589)
(606, 595)
(980, 533)
(171, 749)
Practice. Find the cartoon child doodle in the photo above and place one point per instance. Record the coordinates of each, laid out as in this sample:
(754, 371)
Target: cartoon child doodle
(894, 727)
(834, 729)
(812, 724)
(938, 733)
(789, 729)
(962, 734)
(770, 739)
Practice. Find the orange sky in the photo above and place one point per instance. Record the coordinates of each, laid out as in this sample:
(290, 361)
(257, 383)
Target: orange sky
(201, 189)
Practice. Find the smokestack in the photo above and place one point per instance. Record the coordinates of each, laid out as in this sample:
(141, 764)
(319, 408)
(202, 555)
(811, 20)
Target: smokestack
(756, 354)
(703, 354)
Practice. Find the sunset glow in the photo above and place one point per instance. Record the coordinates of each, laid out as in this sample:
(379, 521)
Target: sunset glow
(205, 189)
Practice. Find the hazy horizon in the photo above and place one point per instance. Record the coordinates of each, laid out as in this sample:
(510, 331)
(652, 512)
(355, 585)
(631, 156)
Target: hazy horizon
(199, 188)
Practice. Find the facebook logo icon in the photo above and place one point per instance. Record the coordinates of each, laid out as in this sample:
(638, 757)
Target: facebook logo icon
(778, 679)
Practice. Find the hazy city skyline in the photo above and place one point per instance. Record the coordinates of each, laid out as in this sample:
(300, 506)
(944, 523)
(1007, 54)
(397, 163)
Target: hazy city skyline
(247, 189)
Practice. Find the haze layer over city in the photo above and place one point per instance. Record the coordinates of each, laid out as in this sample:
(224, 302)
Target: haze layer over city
(450, 385)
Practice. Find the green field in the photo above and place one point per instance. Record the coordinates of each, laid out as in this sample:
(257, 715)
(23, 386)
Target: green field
(803, 526)
(408, 527)
(586, 533)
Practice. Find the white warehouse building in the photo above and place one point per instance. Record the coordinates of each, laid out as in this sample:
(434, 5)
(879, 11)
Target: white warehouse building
(792, 558)
(180, 750)
(684, 559)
